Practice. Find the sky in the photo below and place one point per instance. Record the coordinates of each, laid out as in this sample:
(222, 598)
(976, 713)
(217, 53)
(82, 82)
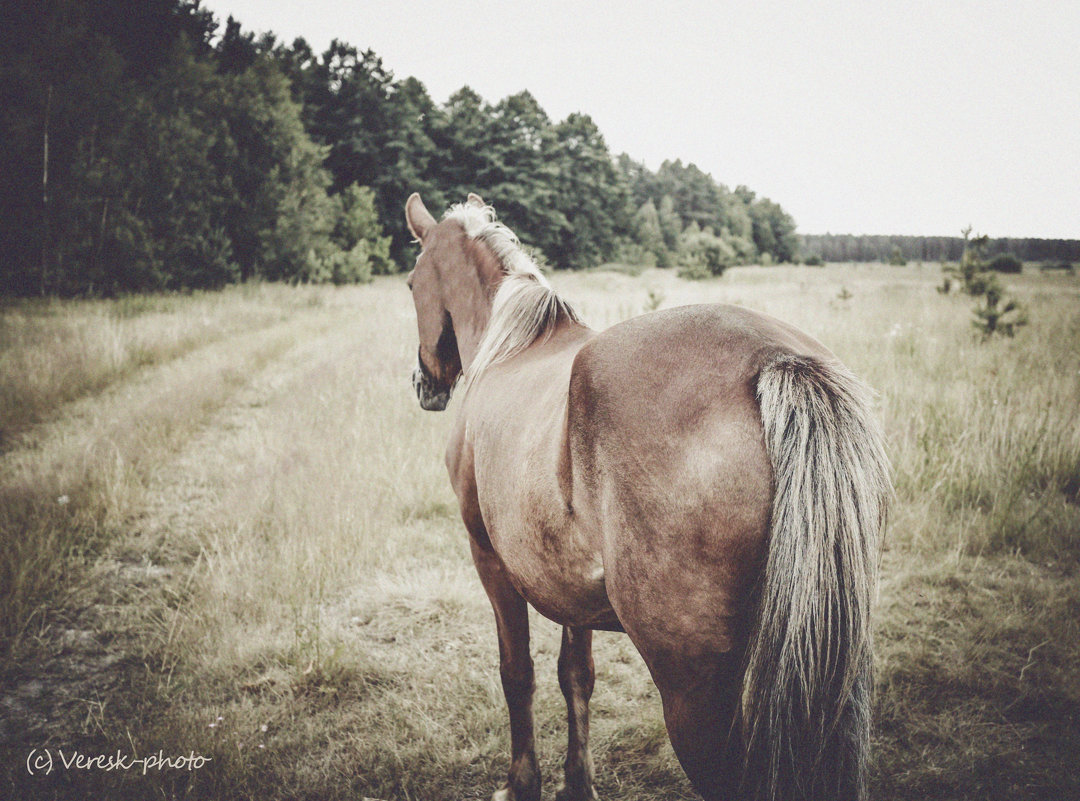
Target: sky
(857, 117)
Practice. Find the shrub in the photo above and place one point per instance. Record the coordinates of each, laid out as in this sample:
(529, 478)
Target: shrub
(627, 251)
(359, 236)
(702, 251)
(995, 317)
(352, 266)
(1005, 263)
(814, 260)
(694, 271)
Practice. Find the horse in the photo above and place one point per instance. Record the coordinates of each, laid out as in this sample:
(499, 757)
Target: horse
(707, 479)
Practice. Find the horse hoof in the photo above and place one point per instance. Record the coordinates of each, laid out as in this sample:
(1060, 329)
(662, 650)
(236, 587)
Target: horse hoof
(565, 793)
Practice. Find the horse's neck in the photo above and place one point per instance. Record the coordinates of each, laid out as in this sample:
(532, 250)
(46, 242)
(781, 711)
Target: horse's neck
(470, 321)
(470, 303)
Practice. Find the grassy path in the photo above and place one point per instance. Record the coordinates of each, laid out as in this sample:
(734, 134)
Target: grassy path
(106, 496)
(57, 351)
(72, 483)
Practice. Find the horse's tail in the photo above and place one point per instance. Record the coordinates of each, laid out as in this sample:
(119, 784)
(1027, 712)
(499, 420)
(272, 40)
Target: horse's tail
(806, 696)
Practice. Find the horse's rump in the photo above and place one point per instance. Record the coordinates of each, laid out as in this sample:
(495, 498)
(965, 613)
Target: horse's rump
(669, 464)
(711, 442)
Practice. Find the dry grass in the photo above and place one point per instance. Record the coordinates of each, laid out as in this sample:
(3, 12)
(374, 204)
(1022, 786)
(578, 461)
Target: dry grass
(55, 351)
(261, 530)
(72, 485)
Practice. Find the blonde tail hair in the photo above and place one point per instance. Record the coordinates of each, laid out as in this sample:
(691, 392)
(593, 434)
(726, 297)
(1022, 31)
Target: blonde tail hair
(806, 697)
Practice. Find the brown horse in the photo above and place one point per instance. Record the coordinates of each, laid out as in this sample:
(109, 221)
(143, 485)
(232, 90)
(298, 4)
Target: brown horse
(707, 479)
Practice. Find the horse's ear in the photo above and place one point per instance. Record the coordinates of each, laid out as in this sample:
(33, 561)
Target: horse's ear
(475, 200)
(417, 216)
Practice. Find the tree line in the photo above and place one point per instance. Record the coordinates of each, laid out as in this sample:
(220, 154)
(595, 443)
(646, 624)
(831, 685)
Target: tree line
(846, 247)
(149, 147)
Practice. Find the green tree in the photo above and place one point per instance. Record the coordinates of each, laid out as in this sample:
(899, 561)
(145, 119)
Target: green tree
(521, 171)
(637, 178)
(166, 176)
(102, 104)
(589, 194)
(670, 223)
(459, 135)
(360, 247)
(280, 216)
(995, 314)
(649, 234)
(972, 267)
(773, 230)
(143, 150)
(696, 196)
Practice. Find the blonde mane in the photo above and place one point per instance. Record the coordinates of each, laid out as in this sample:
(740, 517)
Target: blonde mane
(525, 306)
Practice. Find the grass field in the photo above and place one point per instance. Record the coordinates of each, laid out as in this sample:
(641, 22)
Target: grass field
(226, 529)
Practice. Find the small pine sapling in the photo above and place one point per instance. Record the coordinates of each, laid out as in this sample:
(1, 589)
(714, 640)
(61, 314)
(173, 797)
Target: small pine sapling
(994, 316)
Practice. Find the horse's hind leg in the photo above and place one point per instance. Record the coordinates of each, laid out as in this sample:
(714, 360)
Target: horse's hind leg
(699, 712)
(516, 670)
(576, 676)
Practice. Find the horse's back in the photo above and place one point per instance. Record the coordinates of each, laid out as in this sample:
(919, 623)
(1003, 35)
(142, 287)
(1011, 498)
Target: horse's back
(509, 457)
(669, 465)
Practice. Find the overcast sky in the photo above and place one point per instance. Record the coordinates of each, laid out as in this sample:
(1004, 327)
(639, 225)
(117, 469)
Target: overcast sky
(857, 117)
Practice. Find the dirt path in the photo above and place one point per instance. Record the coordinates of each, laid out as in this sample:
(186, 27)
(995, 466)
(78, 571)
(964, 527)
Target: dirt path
(83, 663)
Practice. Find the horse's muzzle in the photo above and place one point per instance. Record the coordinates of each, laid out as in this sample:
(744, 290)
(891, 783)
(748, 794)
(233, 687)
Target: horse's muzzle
(432, 398)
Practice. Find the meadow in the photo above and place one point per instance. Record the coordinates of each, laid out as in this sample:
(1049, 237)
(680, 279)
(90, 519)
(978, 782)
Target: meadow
(226, 530)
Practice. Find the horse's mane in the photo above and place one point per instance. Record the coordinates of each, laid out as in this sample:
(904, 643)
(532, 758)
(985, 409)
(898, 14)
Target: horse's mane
(525, 306)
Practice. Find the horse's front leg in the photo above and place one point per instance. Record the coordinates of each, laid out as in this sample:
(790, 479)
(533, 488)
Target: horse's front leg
(576, 677)
(516, 670)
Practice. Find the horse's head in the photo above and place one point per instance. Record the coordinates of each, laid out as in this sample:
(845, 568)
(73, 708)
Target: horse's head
(433, 285)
